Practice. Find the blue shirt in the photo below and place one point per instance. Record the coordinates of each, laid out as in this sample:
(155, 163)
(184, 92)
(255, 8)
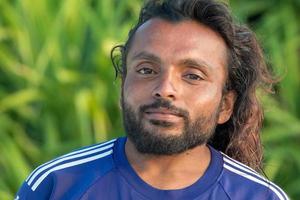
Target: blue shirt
(102, 171)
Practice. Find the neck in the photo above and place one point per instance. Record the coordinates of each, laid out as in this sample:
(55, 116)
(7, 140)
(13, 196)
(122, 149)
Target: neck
(169, 171)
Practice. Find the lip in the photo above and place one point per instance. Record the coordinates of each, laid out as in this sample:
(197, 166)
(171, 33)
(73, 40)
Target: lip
(162, 111)
(162, 114)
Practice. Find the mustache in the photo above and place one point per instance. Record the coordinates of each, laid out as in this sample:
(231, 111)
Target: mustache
(162, 103)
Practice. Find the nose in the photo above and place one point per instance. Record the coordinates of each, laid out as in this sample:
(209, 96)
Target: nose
(166, 87)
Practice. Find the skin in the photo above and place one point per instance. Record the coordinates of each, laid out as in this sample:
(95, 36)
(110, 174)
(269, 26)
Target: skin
(184, 62)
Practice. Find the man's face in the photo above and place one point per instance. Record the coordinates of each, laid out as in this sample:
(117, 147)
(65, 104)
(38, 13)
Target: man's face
(172, 93)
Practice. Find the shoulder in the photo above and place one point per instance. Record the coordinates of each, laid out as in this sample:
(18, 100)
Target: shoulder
(83, 165)
(242, 182)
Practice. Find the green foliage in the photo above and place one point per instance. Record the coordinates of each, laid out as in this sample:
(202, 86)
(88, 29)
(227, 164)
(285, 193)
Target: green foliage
(57, 87)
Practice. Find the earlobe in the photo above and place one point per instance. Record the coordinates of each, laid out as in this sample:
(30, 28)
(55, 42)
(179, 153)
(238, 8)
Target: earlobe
(227, 106)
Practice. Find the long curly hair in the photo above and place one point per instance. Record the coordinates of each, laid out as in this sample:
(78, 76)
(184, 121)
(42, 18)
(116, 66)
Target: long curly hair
(239, 137)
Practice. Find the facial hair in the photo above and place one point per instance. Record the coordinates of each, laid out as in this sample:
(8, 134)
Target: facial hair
(151, 141)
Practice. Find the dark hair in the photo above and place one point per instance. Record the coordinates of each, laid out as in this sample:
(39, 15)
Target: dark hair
(239, 137)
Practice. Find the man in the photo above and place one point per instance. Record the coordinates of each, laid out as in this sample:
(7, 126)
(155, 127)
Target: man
(189, 77)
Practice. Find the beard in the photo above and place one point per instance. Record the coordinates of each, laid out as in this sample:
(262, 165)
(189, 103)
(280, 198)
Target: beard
(154, 141)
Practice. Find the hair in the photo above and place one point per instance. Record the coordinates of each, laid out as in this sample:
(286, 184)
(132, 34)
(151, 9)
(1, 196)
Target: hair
(239, 137)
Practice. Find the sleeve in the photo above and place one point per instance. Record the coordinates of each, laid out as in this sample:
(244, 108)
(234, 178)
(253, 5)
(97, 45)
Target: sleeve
(42, 192)
(276, 193)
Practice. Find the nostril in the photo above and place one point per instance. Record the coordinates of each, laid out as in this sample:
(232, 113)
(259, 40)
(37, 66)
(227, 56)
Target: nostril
(157, 95)
(160, 96)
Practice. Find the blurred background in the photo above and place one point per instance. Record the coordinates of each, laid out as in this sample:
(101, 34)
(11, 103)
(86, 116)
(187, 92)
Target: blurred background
(58, 92)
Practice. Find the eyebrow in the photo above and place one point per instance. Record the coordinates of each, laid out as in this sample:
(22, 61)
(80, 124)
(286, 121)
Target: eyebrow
(147, 56)
(198, 63)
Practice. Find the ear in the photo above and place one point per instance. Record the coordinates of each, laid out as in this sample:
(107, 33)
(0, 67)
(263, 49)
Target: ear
(227, 106)
(121, 94)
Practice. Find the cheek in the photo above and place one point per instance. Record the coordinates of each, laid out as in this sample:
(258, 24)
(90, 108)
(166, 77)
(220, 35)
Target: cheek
(128, 91)
(203, 101)
(134, 93)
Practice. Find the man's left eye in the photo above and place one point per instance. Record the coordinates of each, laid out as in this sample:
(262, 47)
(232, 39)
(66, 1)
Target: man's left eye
(193, 77)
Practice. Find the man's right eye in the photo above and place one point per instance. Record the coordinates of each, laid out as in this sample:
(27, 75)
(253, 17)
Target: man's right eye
(146, 71)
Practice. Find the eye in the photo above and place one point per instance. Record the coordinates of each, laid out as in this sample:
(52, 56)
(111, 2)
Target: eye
(194, 77)
(146, 71)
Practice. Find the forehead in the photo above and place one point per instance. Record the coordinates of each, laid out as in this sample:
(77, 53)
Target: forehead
(175, 40)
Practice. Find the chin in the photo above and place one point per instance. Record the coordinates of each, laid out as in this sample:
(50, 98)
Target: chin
(163, 130)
